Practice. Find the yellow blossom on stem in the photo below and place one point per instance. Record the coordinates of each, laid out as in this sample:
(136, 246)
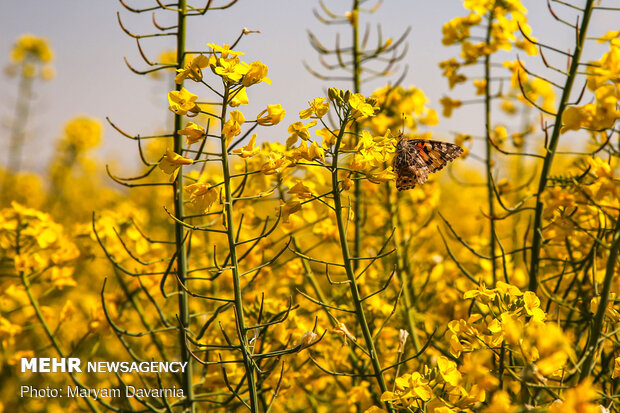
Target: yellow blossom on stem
(232, 127)
(192, 70)
(276, 163)
(301, 190)
(248, 150)
(29, 45)
(182, 101)
(329, 137)
(383, 176)
(499, 134)
(231, 70)
(577, 400)
(480, 85)
(318, 108)
(83, 133)
(572, 118)
(171, 162)
(448, 370)
(256, 73)
(202, 196)
(500, 403)
(450, 68)
(239, 98)
(193, 132)
(271, 116)
(449, 105)
(224, 50)
(409, 386)
(285, 210)
(299, 130)
(616, 372)
(352, 17)
(360, 108)
(309, 153)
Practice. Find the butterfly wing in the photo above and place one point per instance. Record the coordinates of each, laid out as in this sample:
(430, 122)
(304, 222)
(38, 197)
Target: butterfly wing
(416, 158)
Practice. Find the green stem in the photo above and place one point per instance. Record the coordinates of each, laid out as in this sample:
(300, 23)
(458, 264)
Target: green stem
(344, 246)
(16, 145)
(230, 230)
(179, 230)
(553, 143)
(357, 208)
(402, 275)
(599, 318)
(22, 110)
(489, 147)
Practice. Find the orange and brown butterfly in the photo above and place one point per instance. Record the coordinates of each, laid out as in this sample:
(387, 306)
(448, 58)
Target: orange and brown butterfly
(416, 158)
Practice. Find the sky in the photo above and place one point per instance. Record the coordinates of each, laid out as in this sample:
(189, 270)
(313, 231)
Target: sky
(92, 78)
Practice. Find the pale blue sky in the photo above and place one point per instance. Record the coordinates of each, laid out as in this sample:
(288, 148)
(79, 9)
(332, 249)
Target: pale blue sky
(92, 78)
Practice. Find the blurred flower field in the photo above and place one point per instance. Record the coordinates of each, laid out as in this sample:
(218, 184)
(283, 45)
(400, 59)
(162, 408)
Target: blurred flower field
(292, 275)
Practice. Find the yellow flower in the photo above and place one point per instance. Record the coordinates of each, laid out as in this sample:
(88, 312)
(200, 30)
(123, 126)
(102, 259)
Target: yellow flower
(256, 73)
(449, 105)
(448, 370)
(616, 372)
(500, 403)
(499, 135)
(384, 176)
(299, 130)
(271, 116)
(171, 163)
(193, 132)
(192, 70)
(231, 70)
(28, 45)
(318, 108)
(83, 133)
(239, 98)
(329, 137)
(232, 127)
(409, 386)
(285, 210)
(301, 190)
(182, 101)
(248, 150)
(572, 118)
(309, 153)
(276, 163)
(450, 68)
(481, 85)
(224, 50)
(201, 196)
(352, 17)
(577, 400)
(360, 108)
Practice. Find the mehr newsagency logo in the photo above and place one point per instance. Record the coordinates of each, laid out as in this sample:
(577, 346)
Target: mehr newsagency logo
(45, 365)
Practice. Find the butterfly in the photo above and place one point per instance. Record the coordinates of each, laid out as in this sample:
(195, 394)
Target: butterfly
(416, 158)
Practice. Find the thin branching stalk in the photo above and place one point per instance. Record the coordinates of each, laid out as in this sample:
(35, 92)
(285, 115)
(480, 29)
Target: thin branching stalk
(16, 143)
(401, 273)
(356, 71)
(234, 263)
(597, 326)
(344, 246)
(552, 147)
(179, 229)
(489, 150)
